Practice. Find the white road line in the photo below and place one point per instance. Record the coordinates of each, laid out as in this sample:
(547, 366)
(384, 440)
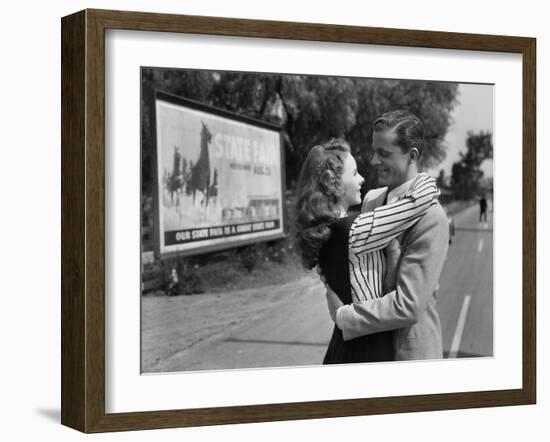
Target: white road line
(455, 345)
(480, 246)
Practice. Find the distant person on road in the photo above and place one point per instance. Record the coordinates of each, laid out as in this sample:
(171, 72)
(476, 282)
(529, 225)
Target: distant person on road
(327, 236)
(482, 209)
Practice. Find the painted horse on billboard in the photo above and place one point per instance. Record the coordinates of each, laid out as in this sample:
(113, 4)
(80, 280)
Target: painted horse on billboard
(174, 181)
(199, 179)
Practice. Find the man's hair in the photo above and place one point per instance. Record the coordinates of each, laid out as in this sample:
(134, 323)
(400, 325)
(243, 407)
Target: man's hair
(408, 127)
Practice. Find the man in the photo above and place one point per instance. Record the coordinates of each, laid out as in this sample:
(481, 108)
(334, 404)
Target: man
(482, 209)
(409, 308)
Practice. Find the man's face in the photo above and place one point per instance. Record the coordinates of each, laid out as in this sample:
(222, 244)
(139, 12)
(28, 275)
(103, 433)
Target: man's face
(392, 165)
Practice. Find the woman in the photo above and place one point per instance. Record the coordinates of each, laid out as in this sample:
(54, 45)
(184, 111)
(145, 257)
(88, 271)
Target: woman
(329, 237)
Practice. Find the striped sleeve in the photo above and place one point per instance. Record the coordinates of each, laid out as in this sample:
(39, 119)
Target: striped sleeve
(367, 276)
(374, 230)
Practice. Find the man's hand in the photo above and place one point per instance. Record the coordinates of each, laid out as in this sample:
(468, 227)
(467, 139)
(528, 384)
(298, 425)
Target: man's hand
(333, 303)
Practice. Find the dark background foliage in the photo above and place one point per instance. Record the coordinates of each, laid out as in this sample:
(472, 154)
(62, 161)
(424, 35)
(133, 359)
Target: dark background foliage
(310, 109)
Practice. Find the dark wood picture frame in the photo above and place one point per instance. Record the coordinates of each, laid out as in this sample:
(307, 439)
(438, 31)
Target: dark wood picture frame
(83, 220)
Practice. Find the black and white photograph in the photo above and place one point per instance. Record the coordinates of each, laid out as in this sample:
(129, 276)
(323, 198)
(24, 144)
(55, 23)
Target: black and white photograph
(261, 221)
(295, 220)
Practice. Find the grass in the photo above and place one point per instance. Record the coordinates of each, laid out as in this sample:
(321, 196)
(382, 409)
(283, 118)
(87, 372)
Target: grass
(253, 266)
(231, 275)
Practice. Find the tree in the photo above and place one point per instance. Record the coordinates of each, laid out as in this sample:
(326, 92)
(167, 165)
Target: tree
(431, 101)
(466, 173)
(310, 109)
(195, 85)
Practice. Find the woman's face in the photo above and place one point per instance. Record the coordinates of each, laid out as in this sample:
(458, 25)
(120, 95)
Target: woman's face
(351, 181)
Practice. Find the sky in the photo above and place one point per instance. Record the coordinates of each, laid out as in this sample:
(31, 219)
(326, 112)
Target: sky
(473, 112)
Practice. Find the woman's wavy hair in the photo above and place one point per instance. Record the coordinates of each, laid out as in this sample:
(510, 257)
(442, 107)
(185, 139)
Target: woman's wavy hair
(318, 193)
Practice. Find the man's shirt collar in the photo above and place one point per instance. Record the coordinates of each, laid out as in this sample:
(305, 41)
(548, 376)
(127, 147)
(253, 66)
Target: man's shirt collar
(399, 191)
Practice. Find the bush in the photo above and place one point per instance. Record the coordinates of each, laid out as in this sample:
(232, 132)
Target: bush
(248, 256)
(278, 251)
(225, 269)
(180, 277)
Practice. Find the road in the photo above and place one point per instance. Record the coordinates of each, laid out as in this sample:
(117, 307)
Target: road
(465, 297)
(288, 325)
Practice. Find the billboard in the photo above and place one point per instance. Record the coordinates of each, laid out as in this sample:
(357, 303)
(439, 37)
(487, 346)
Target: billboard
(220, 178)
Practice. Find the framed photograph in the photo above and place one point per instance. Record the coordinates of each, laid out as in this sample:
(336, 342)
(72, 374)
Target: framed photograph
(197, 204)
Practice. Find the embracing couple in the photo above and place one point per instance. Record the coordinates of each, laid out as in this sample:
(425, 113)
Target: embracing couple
(381, 267)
